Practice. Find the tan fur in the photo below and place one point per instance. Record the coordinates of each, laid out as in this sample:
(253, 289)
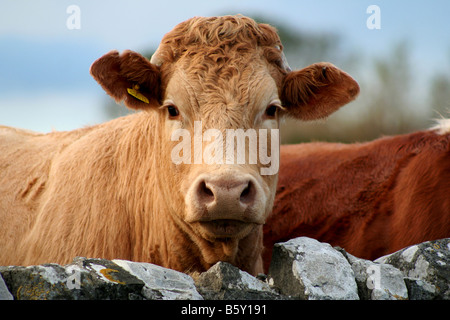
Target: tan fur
(112, 191)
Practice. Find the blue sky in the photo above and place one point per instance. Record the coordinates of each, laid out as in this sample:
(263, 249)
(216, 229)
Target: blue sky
(44, 66)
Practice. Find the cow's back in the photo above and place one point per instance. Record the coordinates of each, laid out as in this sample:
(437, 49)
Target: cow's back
(370, 198)
(421, 197)
(25, 161)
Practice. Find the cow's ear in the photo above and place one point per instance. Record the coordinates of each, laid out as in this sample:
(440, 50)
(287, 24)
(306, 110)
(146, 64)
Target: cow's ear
(317, 91)
(128, 77)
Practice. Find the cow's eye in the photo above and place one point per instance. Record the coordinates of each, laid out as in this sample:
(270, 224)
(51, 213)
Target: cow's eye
(271, 111)
(173, 111)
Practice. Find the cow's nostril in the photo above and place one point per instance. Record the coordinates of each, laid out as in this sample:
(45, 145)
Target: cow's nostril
(222, 196)
(247, 194)
(245, 191)
(205, 191)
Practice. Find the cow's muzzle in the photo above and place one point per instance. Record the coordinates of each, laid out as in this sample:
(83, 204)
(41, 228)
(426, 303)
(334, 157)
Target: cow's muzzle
(226, 205)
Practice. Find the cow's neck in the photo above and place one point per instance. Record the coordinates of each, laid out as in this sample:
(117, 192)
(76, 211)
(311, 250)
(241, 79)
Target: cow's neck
(157, 235)
(244, 253)
(201, 254)
(172, 243)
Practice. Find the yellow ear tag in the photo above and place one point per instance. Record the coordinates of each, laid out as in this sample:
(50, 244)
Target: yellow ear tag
(135, 93)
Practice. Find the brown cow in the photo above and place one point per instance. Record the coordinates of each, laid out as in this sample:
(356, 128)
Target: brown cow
(369, 198)
(114, 190)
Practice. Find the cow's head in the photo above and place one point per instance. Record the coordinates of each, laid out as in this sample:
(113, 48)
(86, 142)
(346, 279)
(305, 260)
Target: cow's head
(209, 78)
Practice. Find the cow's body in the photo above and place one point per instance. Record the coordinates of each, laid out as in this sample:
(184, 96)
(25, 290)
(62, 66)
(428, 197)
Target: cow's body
(37, 168)
(369, 198)
(108, 204)
(115, 191)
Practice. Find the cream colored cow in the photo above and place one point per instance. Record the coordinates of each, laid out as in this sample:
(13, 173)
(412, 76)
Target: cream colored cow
(113, 190)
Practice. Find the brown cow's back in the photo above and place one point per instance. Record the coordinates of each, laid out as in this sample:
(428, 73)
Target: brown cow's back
(370, 198)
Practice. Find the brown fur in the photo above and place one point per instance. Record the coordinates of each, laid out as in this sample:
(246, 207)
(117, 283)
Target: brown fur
(112, 191)
(117, 72)
(370, 198)
(302, 91)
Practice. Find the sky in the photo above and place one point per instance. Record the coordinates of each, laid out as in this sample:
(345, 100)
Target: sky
(44, 65)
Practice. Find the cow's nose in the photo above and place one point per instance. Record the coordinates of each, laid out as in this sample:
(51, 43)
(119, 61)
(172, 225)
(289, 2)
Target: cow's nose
(226, 198)
(231, 193)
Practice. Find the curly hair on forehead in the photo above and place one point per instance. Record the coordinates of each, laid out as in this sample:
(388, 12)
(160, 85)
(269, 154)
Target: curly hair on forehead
(219, 31)
(221, 39)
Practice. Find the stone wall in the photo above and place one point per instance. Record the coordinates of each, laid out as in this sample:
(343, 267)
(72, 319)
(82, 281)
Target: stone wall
(301, 268)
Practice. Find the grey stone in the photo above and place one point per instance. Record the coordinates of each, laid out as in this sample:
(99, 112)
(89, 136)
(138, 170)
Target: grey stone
(98, 279)
(4, 292)
(426, 267)
(84, 279)
(305, 268)
(161, 283)
(420, 290)
(224, 281)
(301, 268)
(377, 281)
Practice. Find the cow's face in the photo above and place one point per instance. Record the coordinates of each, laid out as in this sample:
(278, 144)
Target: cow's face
(219, 87)
(212, 124)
